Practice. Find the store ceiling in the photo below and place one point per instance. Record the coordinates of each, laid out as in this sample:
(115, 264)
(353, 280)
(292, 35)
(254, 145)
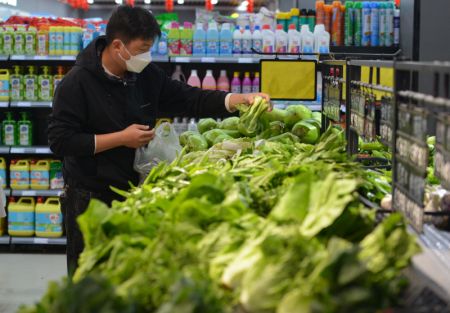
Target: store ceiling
(186, 4)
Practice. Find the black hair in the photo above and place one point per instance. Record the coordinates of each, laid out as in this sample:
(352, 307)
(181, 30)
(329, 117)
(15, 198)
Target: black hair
(128, 23)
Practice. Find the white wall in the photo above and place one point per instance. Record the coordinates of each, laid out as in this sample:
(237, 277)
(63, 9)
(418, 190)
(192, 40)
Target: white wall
(52, 7)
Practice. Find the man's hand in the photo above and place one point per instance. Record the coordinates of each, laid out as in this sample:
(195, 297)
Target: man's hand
(136, 136)
(246, 98)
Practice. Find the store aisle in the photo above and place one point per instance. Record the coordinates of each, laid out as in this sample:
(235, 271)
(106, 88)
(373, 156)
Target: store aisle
(24, 277)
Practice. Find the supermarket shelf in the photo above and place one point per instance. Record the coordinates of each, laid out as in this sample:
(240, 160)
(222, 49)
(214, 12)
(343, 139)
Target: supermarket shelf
(5, 240)
(35, 193)
(372, 63)
(31, 104)
(43, 58)
(4, 57)
(30, 150)
(4, 149)
(38, 241)
(160, 58)
(4, 104)
(241, 60)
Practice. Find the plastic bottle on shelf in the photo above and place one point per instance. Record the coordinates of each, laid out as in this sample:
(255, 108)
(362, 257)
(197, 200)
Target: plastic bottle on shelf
(307, 44)
(8, 40)
(75, 40)
(19, 171)
(396, 27)
(45, 92)
(199, 41)
(336, 25)
(67, 39)
(226, 40)
(4, 85)
(349, 24)
(294, 41)
(56, 175)
(52, 40)
(209, 82)
(257, 39)
(59, 46)
(357, 12)
(268, 38)
(320, 12)
(16, 82)
(321, 40)
(186, 35)
(247, 41)
(40, 175)
(58, 77)
(366, 28)
(194, 80)
(30, 40)
(280, 19)
(21, 217)
(311, 19)
(3, 172)
(382, 8)
(48, 218)
(374, 24)
(389, 37)
(31, 85)
(173, 39)
(237, 41)
(295, 18)
(178, 74)
(255, 83)
(42, 40)
(303, 20)
(212, 40)
(192, 126)
(25, 130)
(236, 83)
(246, 83)
(162, 44)
(223, 83)
(19, 40)
(281, 39)
(9, 130)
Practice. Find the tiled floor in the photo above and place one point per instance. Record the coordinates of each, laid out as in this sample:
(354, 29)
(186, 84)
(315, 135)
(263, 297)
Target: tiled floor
(24, 277)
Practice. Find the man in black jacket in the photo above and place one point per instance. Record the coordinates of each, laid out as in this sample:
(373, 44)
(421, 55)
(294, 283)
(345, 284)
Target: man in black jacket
(105, 108)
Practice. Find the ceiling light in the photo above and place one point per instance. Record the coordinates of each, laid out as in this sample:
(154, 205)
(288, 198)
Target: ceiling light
(243, 6)
(119, 1)
(90, 1)
(214, 2)
(180, 1)
(147, 1)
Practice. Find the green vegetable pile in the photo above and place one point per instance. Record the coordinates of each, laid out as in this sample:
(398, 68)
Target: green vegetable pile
(250, 225)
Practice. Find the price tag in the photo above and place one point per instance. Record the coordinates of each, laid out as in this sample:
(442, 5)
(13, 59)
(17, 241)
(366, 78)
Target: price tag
(208, 60)
(42, 150)
(23, 104)
(245, 60)
(40, 241)
(18, 57)
(28, 193)
(40, 57)
(4, 104)
(182, 60)
(67, 57)
(17, 150)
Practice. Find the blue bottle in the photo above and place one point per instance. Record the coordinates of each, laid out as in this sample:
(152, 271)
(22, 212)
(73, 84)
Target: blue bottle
(162, 44)
(226, 40)
(199, 41)
(366, 28)
(155, 46)
(375, 24)
(212, 40)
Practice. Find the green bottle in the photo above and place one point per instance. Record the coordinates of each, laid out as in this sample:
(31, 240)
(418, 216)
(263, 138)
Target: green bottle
(9, 130)
(45, 85)
(16, 82)
(25, 129)
(357, 25)
(349, 22)
(31, 86)
(19, 40)
(8, 40)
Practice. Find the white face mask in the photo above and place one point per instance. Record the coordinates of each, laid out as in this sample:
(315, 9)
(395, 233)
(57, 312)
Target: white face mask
(137, 63)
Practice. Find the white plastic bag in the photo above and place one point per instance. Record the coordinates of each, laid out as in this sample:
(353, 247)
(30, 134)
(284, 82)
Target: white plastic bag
(165, 146)
(2, 200)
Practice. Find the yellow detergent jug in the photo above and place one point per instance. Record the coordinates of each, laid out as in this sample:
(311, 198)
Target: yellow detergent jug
(40, 174)
(4, 85)
(21, 217)
(48, 218)
(2, 226)
(3, 172)
(20, 174)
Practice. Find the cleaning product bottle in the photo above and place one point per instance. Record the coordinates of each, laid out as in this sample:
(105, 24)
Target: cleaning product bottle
(396, 27)
(194, 80)
(30, 41)
(374, 24)
(294, 40)
(3, 172)
(320, 12)
(75, 40)
(357, 11)
(16, 82)
(247, 41)
(162, 44)
(311, 19)
(21, 217)
(281, 19)
(45, 85)
(237, 41)
(226, 40)
(236, 83)
(19, 172)
(58, 77)
(268, 38)
(209, 82)
(303, 20)
(59, 48)
(321, 40)
(366, 28)
(247, 83)
(349, 23)
(223, 83)
(199, 48)
(48, 218)
(255, 83)
(178, 74)
(52, 40)
(9, 130)
(336, 25)
(281, 39)
(8, 40)
(4, 85)
(19, 40)
(382, 8)
(212, 40)
(389, 37)
(328, 14)
(56, 175)
(25, 129)
(307, 43)
(67, 39)
(40, 174)
(42, 40)
(173, 39)
(31, 86)
(257, 39)
(295, 18)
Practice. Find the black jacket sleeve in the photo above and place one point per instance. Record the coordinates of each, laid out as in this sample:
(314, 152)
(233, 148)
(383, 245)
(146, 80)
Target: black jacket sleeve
(65, 131)
(180, 99)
